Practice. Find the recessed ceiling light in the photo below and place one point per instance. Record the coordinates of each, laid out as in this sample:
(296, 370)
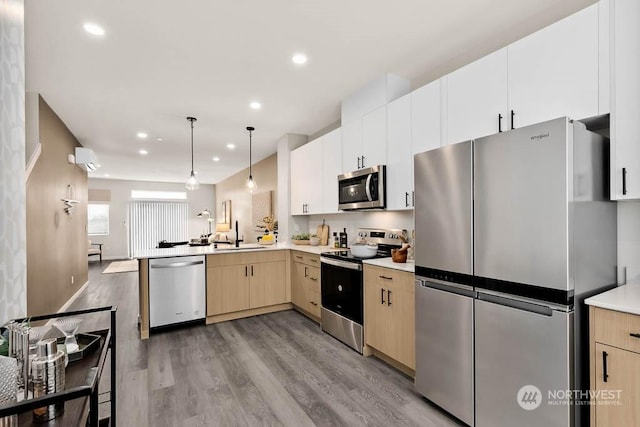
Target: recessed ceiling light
(255, 105)
(143, 152)
(299, 58)
(142, 135)
(159, 139)
(231, 146)
(94, 29)
(216, 159)
(106, 175)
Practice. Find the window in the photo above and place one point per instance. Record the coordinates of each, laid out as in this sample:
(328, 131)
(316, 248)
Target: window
(158, 195)
(98, 219)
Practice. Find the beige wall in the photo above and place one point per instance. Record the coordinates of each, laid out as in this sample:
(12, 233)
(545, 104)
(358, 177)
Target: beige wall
(56, 241)
(265, 172)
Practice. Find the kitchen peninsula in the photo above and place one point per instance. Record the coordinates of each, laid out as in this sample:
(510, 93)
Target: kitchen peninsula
(240, 282)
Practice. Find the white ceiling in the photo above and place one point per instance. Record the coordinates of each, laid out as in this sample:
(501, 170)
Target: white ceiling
(161, 61)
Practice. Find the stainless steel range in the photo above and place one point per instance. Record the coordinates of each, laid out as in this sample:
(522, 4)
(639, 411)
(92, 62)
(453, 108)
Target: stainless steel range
(342, 286)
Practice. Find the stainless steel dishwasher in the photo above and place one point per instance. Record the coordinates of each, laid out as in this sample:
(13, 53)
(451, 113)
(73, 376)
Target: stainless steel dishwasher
(176, 290)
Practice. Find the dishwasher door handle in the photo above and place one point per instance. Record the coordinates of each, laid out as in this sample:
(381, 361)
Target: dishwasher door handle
(177, 264)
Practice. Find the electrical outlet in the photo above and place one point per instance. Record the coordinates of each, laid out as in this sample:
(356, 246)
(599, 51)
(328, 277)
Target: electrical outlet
(72, 280)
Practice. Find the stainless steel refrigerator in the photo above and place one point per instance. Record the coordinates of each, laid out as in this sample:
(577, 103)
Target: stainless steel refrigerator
(535, 237)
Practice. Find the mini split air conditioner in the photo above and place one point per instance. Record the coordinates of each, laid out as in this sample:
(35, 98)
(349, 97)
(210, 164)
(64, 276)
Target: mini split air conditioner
(86, 157)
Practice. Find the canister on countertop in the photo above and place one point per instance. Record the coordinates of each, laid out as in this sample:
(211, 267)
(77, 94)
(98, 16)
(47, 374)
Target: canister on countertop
(8, 388)
(48, 377)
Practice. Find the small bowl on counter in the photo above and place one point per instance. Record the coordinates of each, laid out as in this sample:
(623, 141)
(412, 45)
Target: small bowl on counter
(364, 250)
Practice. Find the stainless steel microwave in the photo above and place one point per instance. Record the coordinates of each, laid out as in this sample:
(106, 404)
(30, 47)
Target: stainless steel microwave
(363, 189)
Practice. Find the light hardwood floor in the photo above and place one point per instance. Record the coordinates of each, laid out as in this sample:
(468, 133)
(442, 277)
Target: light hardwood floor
(274, 369)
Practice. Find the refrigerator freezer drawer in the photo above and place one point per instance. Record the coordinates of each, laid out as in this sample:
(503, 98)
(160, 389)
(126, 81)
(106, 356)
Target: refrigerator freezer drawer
(517, 348)
(444, 349)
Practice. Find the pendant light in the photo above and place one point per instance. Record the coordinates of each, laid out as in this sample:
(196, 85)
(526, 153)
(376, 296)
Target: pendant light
(251, 183)
(192, 182)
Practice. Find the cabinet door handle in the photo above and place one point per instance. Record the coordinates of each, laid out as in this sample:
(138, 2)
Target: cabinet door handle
(386, 278)
(305, 271)
(381, 296)
(413, 198)
(252, 271)
(298, 257)
(634, 335)
(362, 161)
(604, 366)
(358, 162)
(315, 279)
(313, 303)
(389, 297)
(246, 271)
(499, 122)
(313, 260)
(406, 199)
(624, 181)
(512, 114)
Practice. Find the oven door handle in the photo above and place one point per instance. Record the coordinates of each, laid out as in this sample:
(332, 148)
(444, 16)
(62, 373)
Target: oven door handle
(343, 264)
(368, 189)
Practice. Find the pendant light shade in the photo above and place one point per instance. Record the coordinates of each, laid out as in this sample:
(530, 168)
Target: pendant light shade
(192, 182)
(252, 186)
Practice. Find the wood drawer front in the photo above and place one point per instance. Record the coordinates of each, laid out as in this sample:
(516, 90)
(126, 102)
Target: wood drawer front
(253, 257)
(394, 279)
(313, 304)
(305, 258)
(615, 328)
(313, 275)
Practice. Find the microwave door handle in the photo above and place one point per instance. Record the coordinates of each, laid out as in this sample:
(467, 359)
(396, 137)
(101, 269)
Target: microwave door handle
(368, 186)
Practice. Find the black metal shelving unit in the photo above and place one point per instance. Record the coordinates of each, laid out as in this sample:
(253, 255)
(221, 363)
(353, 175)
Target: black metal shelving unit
(82, 380)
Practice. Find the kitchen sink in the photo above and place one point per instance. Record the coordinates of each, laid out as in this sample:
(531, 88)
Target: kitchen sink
(241, 248)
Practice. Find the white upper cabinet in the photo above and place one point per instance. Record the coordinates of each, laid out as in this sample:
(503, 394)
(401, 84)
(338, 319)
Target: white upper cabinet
(554, 72)
(426, 118)
(399, 155)
(364, 141)
(351, 146)
(306, 178)
(477, 98)
(332, 167)
(374, 138)
(625, 99)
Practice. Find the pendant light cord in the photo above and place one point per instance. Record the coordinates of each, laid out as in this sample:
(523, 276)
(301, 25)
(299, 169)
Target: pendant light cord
(250, 154)
(191, 119)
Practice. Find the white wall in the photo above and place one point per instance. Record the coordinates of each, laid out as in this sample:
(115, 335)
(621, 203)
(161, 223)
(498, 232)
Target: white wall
(115, 244)
(13, 248)
(628, 241)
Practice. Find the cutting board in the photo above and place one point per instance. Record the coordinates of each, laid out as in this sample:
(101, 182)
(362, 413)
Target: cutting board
(323, 233)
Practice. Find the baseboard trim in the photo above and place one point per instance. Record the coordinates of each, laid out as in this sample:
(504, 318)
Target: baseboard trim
(73, 298)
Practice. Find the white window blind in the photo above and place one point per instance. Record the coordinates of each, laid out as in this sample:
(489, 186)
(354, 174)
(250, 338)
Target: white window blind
(151, 222)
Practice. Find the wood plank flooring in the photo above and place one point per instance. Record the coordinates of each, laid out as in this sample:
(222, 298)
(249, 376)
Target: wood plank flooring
(270, 370)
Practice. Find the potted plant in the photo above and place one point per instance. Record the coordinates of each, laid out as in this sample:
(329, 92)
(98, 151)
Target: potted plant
(301, 239)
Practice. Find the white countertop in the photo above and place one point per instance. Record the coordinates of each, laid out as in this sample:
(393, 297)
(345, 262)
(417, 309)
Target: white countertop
(185, 250)
(624, 298)
(408, 266)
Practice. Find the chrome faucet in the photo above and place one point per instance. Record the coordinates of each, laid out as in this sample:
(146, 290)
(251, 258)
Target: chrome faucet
(238, 240)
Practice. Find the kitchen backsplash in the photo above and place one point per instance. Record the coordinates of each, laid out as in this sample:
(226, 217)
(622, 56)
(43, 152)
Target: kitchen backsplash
(628, 241)
(354, 220)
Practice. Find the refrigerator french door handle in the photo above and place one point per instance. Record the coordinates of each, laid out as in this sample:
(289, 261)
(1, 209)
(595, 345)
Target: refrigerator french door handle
(517, 304)
(368, 186)
(451, 287)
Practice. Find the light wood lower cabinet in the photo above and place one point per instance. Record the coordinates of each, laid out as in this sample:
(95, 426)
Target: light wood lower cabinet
(305, 283)
(237, 282)
(389, 313)
(615, 368)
